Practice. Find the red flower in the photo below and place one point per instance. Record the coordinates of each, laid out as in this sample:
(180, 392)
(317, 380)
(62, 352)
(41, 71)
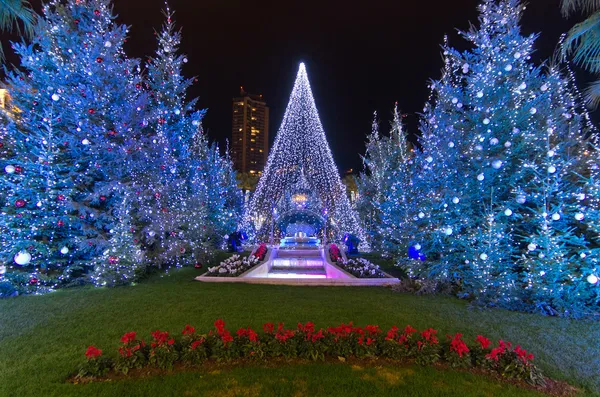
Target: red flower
(160, 338)
(196, 343)
(188, 330)
(317, 336)
(220, 325)
(226, 337)
(457, 345)
(498, 351)
(253, 336)
(268, 328)
(125, 352)
(392, 334)
(522, 354)
(369, 341)
(128, 337)
(429, 336)
(93, 352)
(408, 330)
(373, 329)
(483, 341)
(334, 252)
(307, 328)
(283, 335)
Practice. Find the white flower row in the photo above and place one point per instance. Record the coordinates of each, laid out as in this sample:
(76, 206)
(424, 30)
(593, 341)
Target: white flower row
(361, 268)
(233, 266)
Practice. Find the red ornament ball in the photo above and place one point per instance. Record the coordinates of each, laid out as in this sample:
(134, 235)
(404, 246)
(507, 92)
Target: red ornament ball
(76, 21)
(198, 265)
(60, 197)
(138, 86)
(97, 12)
(18, 169)
(60, 223)
(99, 60)
(102, 198)
(112, 133)
(157, 195)
(165, 210)
(113, 260)
(91, 111)
(33, 281)
(20, 203)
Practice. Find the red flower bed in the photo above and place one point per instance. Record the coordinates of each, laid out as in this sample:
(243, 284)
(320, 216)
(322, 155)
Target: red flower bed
(306, 341)
(334, 253)
(261, 251)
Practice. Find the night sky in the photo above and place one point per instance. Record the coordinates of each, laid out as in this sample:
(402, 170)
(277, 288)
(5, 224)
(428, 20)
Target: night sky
(361, 56)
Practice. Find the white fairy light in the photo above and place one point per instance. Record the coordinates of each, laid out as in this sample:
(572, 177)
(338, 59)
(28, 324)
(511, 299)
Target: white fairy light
(301, 144)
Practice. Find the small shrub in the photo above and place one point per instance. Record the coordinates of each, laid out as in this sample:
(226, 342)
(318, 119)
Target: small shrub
(132, 354)
(95, 365)
(163, 352)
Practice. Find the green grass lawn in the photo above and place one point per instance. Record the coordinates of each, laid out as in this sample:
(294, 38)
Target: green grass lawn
(43, 338)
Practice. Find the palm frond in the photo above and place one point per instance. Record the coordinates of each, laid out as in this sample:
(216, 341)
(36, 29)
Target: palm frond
(592, 95)
(19, 14)
(16, 14)
(583, 43)
(586, 6)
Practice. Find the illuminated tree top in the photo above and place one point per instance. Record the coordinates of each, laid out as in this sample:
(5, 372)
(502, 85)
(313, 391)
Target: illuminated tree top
(301, 148)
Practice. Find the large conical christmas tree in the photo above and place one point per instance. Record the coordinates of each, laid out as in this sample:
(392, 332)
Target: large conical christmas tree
(73, 144)
(301, 145)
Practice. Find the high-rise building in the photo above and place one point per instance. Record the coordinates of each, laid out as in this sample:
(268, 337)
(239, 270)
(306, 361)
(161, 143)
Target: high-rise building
(250, 133)
(4, 98)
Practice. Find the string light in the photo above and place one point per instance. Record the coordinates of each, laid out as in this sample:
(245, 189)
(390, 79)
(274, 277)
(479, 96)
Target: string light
(300, 145)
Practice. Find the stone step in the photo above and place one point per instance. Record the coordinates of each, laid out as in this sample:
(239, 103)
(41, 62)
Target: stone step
(298, 254)
(299, 271)
(295, 263)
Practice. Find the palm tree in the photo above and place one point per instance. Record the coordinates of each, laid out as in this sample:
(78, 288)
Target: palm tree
(583, 42)
(16, 14)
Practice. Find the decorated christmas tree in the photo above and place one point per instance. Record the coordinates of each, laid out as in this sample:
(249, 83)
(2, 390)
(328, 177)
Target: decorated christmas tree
(369, 181)
(384, 186)
(555, 227)
(122, 261)
(300, 145)
(500, 212)
(80, 103)
(437, 179)
(165, 198)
